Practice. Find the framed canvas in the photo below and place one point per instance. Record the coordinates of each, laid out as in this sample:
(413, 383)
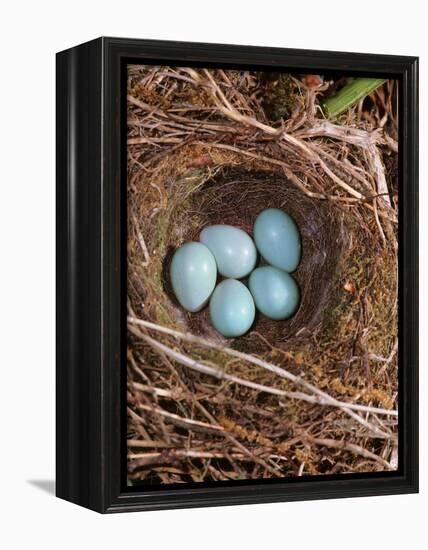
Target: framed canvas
(237, 284)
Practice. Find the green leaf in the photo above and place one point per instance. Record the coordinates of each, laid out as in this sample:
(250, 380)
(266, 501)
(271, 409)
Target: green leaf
(349, 95)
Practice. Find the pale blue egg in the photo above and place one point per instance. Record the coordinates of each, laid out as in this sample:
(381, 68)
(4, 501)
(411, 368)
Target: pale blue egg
(193, 274)
(233, 249)
(275, 292)
(277, 239)
(232, 308)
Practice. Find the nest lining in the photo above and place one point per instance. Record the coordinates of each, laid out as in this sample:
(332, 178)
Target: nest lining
(235, 196)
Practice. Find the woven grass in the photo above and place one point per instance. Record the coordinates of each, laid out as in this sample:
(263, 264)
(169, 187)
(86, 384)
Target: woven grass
(315, 394)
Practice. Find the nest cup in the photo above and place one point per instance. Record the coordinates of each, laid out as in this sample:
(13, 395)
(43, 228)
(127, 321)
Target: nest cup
(236, 197)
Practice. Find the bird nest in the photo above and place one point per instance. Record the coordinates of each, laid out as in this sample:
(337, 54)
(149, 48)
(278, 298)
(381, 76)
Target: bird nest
(314, 394)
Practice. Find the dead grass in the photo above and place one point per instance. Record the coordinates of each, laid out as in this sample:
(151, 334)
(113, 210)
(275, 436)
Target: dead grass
(213, 146)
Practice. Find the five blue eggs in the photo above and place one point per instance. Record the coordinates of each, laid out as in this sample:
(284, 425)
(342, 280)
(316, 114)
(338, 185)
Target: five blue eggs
(232, 253)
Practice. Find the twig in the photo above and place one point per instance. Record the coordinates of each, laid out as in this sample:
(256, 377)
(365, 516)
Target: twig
(323, 397)
(282, 372)
(181, 453)
(221, 375)
(359, 138)
(141, 443)
(352, 447)
(294, 179)
(142, 242)
(187, 423)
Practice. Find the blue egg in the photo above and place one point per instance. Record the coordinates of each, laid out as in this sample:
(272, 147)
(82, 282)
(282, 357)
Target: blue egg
(193, 274)
(232, 308)
(277, 239)
(275, 292)
(233, 249)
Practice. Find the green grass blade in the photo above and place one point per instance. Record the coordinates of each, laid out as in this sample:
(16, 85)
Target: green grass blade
(349, 95)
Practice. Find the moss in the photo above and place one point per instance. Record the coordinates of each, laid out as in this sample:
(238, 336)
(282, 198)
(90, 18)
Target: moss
(279, 98)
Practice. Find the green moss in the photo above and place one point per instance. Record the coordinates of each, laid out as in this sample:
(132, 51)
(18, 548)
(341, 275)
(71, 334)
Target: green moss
(280, 97)
(365, 296)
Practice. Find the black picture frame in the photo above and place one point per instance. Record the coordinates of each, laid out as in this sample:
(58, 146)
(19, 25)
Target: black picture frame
(90, 210)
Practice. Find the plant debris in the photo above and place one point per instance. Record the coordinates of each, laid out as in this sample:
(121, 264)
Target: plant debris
(316, 394)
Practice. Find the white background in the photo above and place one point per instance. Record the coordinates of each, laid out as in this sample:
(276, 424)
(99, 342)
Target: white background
(30, 34)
